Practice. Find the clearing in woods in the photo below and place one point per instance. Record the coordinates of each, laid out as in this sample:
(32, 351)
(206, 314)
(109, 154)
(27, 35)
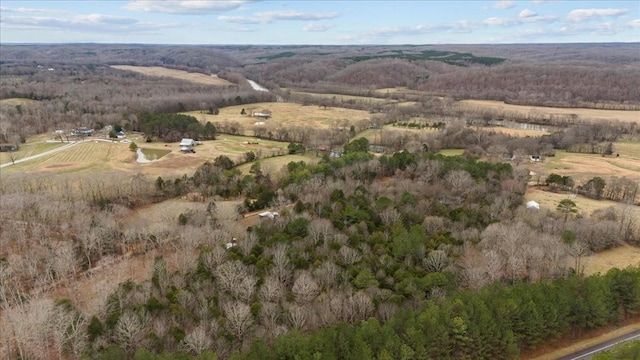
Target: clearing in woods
(176, 74)
(285, 114)
(581, 113)
(583, 167)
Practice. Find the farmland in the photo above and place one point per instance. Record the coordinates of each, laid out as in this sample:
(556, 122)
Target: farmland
(362, 242)
(176, 74)
(547, 112)
(286, 115)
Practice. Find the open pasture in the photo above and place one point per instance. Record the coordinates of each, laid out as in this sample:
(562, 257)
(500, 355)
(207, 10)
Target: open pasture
(546, 112)
(582, 167)
(286, 115)
(585, 206)
(176, 74)
(273, 165)
(16, 102)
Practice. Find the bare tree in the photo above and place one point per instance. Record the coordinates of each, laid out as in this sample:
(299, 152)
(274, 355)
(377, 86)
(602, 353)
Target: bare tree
(305, 288)
(239, 319)
(130, 330)
(197, 340)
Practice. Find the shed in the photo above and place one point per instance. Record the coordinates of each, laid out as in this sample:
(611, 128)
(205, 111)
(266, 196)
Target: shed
(533, 205)
(186, 145)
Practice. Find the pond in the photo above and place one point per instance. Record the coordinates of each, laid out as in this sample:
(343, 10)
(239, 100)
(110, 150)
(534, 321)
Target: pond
(149, 155)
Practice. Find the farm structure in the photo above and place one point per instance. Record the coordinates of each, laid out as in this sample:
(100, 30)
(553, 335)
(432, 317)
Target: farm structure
(8, 147)
(187, 145)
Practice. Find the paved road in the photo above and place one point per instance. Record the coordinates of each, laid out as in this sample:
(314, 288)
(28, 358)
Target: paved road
(590, 351)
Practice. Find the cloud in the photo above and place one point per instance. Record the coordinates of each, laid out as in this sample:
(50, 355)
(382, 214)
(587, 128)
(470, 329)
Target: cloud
(579, 15)
(526, 13)
(315, 27)
(82, 23)
(23, 10)
(184, 7)
(267, 17)
(504, 4)
(537, 2)
(634, 23)
(494, 21)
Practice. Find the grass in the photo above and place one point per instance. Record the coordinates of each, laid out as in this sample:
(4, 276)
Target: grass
(34, 145)
(581, 113)
(16, 101)
(583, 167)
(273, 165)
(451, 152)
(285, 115)
(176, 74)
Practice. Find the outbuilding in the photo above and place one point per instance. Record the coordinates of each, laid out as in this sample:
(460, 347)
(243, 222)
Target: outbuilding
(187, 145)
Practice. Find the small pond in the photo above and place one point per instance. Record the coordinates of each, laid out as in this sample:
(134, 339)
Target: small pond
(149, 155)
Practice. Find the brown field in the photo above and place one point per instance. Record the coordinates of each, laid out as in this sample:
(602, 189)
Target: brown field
(177, 74)
(286, 114)
(583, 114)
(585, 206)
(620, 257)
(16, 101)
(583, 167)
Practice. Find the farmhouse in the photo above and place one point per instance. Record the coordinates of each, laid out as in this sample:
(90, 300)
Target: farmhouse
(82, 131)
(187, 145)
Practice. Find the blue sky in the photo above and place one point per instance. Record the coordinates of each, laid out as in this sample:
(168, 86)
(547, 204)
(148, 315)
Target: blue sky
(319, 22)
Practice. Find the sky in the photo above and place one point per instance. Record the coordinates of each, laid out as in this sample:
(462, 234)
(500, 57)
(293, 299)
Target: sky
(319, 22)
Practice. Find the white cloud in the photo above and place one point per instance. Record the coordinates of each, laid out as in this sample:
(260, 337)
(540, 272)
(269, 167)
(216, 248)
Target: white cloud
(504, 4)
(267, 17)
(537, 2)
(526, 13)
(579, 15)
(494, 21)
(240, 20)
(27, 10)
(186, 7)
(82, 23)
(294, 15)
(634, 23)
(313, 27)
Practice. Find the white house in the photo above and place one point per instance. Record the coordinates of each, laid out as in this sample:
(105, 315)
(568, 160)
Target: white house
(187, 145)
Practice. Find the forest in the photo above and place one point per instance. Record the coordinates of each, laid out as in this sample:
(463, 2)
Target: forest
(402, 253)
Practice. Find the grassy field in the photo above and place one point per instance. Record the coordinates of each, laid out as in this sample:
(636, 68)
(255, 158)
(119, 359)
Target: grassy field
(451, 152)
(285, 114)
(34, 145)
(100, 156)
(273, 165)
(16, 101)
(582, 114)
(177, 74)
(583, 167)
